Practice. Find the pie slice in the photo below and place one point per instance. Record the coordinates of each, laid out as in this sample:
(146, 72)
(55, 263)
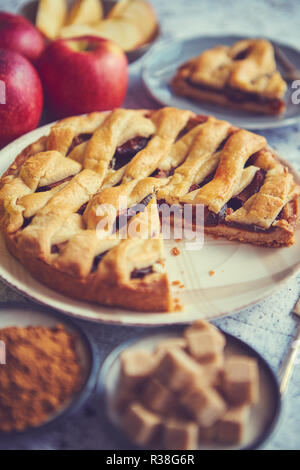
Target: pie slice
(242, 76)
(80, 208)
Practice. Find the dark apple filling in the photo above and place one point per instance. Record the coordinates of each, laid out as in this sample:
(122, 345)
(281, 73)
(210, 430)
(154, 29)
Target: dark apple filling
(26, 222)
(79, 139)
(125, 153)
(195, 121)
(53, 185)
(212, 219)
(206, 180)
(56, 249)
(97, 261)
(82, 209)
(127, 214)
(242, 54)
(163, 173)
(192, 122)
(120, 222)
(241, 96)
(141, 273)
(238, 201)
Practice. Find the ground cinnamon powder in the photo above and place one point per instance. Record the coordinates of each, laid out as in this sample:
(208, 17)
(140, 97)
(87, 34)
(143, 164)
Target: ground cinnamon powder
(41, 373)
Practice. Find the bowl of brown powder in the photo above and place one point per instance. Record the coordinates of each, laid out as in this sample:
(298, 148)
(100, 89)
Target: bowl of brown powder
(47, 368)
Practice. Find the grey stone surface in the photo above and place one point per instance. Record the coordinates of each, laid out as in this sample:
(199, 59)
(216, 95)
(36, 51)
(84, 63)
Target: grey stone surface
(267, 326)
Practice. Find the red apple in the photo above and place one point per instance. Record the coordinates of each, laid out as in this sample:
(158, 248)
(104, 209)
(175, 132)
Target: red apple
(82, 75)
(19, 35)
(21, 96)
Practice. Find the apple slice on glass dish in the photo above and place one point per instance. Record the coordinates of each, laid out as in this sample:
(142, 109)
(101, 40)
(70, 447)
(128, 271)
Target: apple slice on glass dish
(85, 12)
(133, 24)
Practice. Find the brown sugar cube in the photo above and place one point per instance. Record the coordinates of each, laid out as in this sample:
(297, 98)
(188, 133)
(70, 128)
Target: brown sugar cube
(232, 425)
(205, 404)
(212, 371)
(168, 344)
(204, 346)
(177, 370)
(158, 398)
(140, 424)
(198, 325)
(123, 399)
(180, 435)
(202, 325)
(240, 380)
(208, 433)
(136, 366)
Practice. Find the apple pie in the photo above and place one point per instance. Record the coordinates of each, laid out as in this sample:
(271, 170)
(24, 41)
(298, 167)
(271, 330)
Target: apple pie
(60, 200)
(242, 76)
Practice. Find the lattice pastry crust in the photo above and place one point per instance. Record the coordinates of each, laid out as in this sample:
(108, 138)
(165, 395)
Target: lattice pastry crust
(50, 198)
(242, 76)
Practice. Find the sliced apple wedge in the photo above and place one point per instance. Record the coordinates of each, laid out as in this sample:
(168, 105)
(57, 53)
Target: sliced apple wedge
(122, 32)
(125, 33)
(138, 12)
(78, 30)
(51, 16)
(85, 12)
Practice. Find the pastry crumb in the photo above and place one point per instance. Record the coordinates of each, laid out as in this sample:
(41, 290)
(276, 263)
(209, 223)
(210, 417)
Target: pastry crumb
(211, 272)
(175, 251)
(178, 307)
(178, 240)
(178, 284)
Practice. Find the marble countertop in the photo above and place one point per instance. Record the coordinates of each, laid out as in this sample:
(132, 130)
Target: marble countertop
(267, 326)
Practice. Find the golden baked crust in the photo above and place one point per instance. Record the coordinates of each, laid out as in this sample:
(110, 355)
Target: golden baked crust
(51, 195)
(242, 76)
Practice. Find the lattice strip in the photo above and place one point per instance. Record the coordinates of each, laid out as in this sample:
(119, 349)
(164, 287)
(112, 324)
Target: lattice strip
(37, 236)
(34, 202)
(46, 168)
(239, 147)
(262, 208)
(77, 257)
(206, 142)
(62, 134)
(169, 122)
(116, 130)
(109, 200)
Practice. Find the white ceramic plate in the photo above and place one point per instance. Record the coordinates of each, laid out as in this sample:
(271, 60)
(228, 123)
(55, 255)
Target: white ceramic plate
(243, 274)
(163, 60)
(263, 416)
